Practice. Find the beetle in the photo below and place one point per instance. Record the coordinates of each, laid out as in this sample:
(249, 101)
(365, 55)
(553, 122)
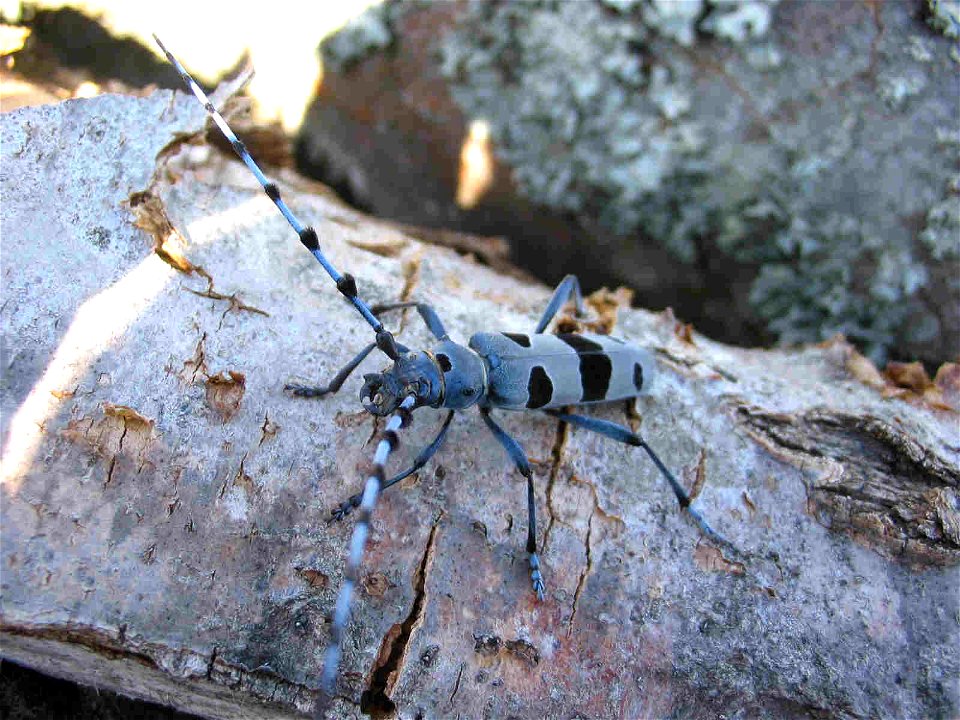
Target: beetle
(494, 370)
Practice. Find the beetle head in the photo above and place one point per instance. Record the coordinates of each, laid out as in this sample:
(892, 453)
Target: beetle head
(414, 373)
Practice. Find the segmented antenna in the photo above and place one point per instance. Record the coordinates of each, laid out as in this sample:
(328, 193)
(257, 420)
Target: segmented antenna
(358, 540)
(346, 283)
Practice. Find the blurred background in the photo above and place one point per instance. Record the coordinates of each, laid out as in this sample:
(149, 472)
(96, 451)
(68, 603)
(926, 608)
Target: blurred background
(777, 172)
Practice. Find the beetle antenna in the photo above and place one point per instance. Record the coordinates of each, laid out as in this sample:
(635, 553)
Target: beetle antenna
(345, 282)
(361, 531)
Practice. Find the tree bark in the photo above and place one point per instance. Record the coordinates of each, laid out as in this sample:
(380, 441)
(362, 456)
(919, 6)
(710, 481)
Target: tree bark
(165, 506)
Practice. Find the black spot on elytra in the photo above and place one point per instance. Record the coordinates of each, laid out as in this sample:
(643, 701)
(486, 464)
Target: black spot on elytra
(444, 362)
(581, 344)
(521, 340)
(595, 367)
(595, 372)
(539, 388)
(638, 376)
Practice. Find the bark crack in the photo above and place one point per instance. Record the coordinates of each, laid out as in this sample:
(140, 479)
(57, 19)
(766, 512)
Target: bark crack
(559, 446)
(268, 429)
(584, 573)
(123, 435)
(113, 460)
(150, 215)
(211, 661)
(375, 700)
(237, 478)
(456, 687)
(113, 465)
(197, 364)
(411, 278)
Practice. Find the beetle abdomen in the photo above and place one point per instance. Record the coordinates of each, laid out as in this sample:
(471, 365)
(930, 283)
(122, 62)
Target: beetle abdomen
(548, 371)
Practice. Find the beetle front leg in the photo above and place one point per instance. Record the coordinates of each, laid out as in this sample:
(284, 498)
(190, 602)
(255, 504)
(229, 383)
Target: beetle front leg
(353, 502)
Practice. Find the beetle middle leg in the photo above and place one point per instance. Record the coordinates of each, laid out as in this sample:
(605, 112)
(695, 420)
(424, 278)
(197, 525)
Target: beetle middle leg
(519, 458)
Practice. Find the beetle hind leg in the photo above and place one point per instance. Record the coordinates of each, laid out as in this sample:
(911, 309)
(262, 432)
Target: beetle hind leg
(621, 434)
(568, 287)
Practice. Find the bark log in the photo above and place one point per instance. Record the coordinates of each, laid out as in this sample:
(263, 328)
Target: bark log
(165, 504)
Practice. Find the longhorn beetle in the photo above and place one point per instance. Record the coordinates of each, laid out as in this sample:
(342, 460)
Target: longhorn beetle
(506, 371)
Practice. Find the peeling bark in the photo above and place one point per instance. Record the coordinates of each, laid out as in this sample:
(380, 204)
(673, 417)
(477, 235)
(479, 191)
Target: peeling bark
(875, 482)
(157, 545)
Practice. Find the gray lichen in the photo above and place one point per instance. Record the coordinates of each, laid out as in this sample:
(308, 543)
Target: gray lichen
(574, 112)
(366, 33)
(598, 118)
(837, 278)
(738, 21)
(739, 142)
(941, 234)
(943, 227)
(675, 20)
(945, 16)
